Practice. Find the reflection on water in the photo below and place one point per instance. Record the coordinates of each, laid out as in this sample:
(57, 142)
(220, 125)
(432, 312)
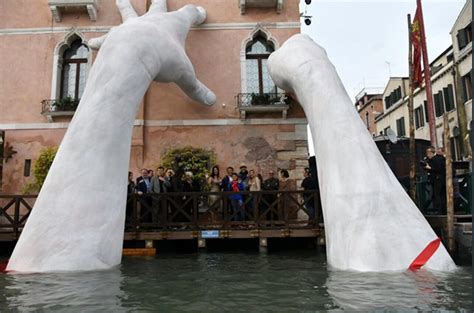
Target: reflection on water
(233, 282)
(74, 292)
(419, 290)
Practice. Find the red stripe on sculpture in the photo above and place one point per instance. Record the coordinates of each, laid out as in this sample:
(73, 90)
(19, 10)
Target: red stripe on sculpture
(425, 255)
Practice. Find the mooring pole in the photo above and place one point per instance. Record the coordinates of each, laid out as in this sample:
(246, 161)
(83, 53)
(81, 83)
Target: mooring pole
(449, 186)
(412, 152)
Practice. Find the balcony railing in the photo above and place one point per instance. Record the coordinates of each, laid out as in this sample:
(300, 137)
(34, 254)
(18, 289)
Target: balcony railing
(267, 102)
(58, 107)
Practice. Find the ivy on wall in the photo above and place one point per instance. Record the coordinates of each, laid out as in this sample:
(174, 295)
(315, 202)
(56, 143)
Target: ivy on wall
(41, 169)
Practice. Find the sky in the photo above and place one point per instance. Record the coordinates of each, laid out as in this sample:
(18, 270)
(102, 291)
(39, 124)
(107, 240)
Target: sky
(367, 41)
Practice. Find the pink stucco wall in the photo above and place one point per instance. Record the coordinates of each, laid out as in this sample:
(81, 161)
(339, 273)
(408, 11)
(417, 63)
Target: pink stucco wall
(26, 70)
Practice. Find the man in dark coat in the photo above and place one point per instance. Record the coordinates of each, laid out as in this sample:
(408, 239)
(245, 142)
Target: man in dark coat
(309, 183)
(143, 187)
(436, 168)
(270, 184)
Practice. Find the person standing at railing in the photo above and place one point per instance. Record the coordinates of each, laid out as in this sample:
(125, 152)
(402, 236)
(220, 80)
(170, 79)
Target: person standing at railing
(436, 168)
(226, 186)
(130, 191)
(143, 188)
(254, 185)
(308, 183)
(270, 184)
(287, 207)
(188, 186)
(159, 185)
(236, 199)
(214, 201)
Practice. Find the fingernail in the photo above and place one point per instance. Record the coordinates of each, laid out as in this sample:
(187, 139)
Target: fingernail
(210, 98)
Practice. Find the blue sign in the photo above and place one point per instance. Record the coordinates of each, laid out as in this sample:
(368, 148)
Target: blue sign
(206, 234)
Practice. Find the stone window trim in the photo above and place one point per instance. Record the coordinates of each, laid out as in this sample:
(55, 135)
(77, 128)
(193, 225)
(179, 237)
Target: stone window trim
(265, 33)
(58, 60)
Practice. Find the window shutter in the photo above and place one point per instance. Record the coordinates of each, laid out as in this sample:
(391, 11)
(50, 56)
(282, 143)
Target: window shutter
(425, 105)
(462, 40)
(448, 98)
(402, 122)
(451, 96)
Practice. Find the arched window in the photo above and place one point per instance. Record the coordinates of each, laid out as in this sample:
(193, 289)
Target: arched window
(74, 70)
(258, 78)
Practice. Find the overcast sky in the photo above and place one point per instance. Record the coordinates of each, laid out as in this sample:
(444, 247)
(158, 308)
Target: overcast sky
(367, 40)
(360, 37)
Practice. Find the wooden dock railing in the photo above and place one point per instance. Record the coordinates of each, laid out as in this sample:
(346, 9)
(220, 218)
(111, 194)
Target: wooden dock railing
(192, 211)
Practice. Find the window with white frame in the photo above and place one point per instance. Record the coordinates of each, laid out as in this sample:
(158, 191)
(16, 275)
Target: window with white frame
(257, 76)
(74, 70)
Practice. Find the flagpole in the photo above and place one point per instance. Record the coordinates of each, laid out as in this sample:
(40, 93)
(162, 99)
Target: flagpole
(426, 69)
(412, 152)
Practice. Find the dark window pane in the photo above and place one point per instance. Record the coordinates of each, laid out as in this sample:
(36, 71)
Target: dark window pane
(27, 168)
(425, 105)
(259, 46)
(466, 84)
(76, 51)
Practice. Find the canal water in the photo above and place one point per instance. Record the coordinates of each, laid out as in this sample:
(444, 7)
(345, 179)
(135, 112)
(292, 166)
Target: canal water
(235, 282)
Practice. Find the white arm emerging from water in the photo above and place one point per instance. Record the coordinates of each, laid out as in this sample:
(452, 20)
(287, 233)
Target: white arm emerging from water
(78, 219)
(371, 223)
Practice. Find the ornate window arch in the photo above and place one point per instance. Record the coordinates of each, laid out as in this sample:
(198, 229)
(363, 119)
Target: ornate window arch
(254, 53)
(71, 64)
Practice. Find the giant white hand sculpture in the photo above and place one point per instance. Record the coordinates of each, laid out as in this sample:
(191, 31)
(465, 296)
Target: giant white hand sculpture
(78, 219)
(371, 224)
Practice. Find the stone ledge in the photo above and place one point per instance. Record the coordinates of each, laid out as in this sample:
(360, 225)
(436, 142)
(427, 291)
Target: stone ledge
(243, 4)
(57, 7)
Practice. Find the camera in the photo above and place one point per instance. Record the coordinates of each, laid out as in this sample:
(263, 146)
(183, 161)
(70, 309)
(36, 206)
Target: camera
(423, 163)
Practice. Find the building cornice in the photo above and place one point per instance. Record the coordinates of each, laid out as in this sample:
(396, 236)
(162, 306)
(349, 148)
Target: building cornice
(168, 123)
(105, 29)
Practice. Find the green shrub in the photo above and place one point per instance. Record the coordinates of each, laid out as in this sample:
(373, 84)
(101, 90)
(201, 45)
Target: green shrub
(41, 169)
(198, 161)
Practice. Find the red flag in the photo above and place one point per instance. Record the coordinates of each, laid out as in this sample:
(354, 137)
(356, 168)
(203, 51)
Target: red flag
(417, 46)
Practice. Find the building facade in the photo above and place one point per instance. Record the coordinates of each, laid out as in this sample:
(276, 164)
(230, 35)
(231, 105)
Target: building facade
(45, 59)
(369, 105)
(452, 94)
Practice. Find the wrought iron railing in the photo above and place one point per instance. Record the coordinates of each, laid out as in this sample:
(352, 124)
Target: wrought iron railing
(59, 105)
(266, 99)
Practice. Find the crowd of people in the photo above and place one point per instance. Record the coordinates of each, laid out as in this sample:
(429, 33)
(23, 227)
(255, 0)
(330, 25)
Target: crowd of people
(241, 206)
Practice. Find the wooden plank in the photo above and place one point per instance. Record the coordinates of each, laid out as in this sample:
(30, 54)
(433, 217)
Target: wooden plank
(139, 252)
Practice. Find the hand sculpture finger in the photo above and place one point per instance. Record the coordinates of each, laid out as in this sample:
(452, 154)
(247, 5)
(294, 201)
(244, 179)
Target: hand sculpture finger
(96, 43)
(194, 88)
(158, 6)
(126, 10)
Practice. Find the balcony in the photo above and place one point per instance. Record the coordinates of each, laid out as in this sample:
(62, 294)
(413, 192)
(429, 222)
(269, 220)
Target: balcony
(58, 7)
(56, 108)
(244, 4)
(262, 103)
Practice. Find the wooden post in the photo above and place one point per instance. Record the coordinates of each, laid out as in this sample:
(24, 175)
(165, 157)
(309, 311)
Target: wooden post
(449, 186)
(426, 70)
(412, 152)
